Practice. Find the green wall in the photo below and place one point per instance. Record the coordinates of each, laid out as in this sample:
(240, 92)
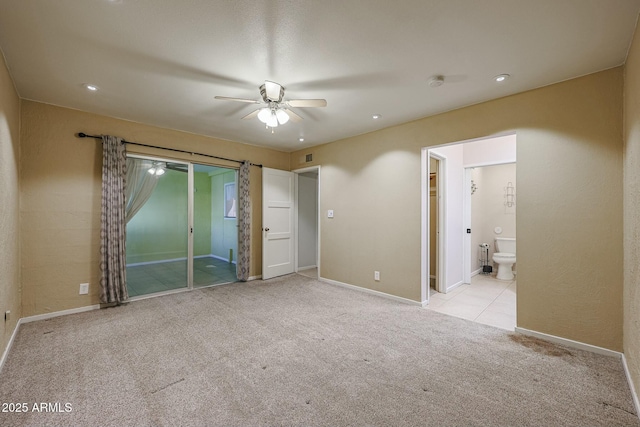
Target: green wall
(159, 230)
(202, 214)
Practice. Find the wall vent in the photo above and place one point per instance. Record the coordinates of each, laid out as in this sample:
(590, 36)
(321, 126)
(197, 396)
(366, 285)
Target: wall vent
(309, 158)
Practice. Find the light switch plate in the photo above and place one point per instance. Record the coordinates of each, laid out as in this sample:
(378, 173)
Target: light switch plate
(330, 213)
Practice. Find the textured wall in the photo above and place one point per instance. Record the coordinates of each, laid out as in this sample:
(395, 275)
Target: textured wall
(569, 211)
(632, 212)
(60, 197)
(9, 205)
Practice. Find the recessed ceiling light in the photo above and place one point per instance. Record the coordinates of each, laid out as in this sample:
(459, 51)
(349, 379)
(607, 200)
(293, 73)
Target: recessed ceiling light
(301, 139)
(376, 116)
(501, 78)
(91, 87)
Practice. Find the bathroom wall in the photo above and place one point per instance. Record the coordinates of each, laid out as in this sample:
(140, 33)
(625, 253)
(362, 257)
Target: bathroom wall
(631, 189)
(488, 208)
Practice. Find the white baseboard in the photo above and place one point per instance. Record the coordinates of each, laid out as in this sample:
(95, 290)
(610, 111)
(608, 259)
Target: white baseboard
(5, 354)
(569, 343)
(306, 267)
(219, 257)
(634, 395)
(40, 317)
(452, 287)
(475, 273)
(162, 261)
(371, 291)
(46, 316)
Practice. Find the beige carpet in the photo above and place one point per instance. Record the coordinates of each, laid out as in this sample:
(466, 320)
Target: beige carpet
(293, 351)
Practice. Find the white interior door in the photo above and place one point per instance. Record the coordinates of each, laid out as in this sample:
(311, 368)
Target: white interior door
(277, 223)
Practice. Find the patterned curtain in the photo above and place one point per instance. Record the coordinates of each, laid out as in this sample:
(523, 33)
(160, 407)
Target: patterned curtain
(244, 223)
(113, 280)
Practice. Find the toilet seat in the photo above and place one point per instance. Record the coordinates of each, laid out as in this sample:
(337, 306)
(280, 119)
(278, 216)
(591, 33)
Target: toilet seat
(504, 255)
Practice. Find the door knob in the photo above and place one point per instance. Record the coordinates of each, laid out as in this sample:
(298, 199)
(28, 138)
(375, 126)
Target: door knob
(266, 229)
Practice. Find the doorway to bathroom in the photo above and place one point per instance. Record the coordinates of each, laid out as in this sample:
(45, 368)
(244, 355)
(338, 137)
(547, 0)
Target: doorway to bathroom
(466, 290)
(181, 226)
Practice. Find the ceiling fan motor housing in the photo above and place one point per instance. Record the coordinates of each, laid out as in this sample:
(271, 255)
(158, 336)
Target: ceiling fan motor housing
(274, 93)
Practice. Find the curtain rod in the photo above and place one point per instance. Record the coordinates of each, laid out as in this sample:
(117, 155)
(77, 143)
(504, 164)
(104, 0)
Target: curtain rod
(84, 135)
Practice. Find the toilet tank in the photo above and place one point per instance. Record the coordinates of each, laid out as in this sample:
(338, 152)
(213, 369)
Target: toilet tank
(506, 244)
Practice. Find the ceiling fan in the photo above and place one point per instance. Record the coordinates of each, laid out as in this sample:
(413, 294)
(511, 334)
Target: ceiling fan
(278, 110)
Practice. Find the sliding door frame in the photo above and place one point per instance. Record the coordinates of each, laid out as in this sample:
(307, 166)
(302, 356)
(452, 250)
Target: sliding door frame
(190, 218)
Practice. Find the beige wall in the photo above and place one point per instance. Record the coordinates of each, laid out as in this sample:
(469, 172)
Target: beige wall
(569, 150)
(632, 212)
(9, 205)
(60, 197)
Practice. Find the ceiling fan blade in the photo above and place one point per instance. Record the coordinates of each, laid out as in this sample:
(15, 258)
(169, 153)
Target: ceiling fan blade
(293, 116)
(274, 90)
(226, 98)
(307, 103)
(251, 115)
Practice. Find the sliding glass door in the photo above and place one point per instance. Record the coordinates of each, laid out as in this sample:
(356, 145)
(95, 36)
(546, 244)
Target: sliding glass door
(178, 238)
(215, 231)
(157, 224)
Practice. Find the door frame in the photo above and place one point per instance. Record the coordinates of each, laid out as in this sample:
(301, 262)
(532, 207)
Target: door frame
(426, 231)
(297, 172)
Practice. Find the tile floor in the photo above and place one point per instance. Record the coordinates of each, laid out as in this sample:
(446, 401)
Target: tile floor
(166, 276)
(486, 300)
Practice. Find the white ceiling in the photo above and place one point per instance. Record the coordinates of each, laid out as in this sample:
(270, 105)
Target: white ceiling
(162, 62)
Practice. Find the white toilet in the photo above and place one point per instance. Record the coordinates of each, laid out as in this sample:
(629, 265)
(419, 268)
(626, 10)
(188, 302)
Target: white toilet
(505, 257)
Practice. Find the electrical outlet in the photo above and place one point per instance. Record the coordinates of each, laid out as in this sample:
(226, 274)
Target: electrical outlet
(84, 288)
(330, 213)
(376, 276)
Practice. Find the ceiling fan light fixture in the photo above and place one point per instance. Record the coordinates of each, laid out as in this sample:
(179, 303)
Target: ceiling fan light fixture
(282, 116)
(157, 169)
(272, 121)
(264, 114)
